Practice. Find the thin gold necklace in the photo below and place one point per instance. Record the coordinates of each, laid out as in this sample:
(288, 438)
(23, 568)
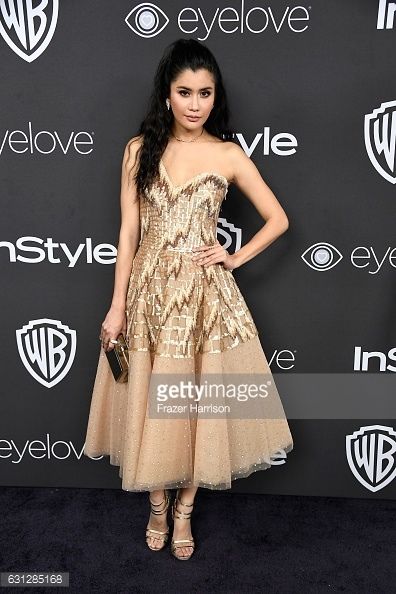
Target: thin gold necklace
(181, 140)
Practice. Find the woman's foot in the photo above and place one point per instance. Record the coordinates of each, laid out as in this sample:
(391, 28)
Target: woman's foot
(157, 528)
(182, 544)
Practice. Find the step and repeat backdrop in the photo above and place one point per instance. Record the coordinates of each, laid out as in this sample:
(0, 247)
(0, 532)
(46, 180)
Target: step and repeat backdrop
(312, 94)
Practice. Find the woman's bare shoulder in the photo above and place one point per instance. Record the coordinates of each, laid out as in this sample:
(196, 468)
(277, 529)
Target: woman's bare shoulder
(228, 145)
(131, 149)
(134, 143)
(232, 154)
(229, 150)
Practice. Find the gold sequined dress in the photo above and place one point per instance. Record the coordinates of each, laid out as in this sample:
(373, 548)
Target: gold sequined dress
(183, 320)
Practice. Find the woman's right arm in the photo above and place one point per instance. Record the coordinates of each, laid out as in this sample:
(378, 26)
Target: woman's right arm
(129, 235)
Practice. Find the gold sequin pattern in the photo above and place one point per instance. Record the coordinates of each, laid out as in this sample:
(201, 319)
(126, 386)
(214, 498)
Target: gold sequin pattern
(175, 306)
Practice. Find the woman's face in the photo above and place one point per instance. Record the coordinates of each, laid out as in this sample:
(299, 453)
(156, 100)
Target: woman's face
(192, 94)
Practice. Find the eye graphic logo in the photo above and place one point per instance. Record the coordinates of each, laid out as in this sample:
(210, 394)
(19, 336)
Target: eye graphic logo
(28, 29)
(380, 139)
(47, 349)
(145, 20)
(232, 235)
(371, 455)
(322, 256)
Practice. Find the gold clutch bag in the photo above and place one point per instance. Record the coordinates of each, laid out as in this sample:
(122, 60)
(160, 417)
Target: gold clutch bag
(118, 359)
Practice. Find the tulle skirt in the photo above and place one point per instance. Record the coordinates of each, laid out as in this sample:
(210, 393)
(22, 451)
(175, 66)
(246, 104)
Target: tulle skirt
(157, 450)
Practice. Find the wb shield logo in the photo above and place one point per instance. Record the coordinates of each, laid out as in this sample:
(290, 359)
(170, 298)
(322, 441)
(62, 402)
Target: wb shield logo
(371, 454)
(47, 349)
(228, 235)
(380, 139)
(28, 29)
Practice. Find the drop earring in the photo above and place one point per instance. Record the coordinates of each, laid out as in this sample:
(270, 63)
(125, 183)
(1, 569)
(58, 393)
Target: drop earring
(168, 104)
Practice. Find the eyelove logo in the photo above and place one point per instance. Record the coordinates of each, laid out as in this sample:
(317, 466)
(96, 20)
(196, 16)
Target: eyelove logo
(46, 141)
(38, 449)
(323, 256)
(50, 449)
(148, 20)
(28, 29)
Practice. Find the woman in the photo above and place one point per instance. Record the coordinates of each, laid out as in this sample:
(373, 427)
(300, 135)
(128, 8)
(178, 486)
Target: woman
(176, 300)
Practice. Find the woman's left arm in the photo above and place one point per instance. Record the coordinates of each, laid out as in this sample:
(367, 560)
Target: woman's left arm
(247, 178)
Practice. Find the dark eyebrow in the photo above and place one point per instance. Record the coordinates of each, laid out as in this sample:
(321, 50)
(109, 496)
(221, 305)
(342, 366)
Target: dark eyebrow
(188, 89)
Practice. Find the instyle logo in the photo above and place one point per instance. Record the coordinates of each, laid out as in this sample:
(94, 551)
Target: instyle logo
(371, 455)
(33, 250)
(147, 20)
(47, 349)
(28, 26)
(323, 256)
(380, 139)
(45, 142)
(381, 362)
(282, 144)
(386, 14)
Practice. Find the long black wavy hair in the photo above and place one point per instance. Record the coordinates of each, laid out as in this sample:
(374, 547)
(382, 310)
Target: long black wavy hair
(155, 128)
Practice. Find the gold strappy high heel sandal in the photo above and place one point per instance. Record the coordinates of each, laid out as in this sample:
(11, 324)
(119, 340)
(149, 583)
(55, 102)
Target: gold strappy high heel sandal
(157, 534)
(186, 542)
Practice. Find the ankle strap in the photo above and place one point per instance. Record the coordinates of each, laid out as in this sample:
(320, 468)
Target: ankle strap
(180, 514)
(164, 501)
